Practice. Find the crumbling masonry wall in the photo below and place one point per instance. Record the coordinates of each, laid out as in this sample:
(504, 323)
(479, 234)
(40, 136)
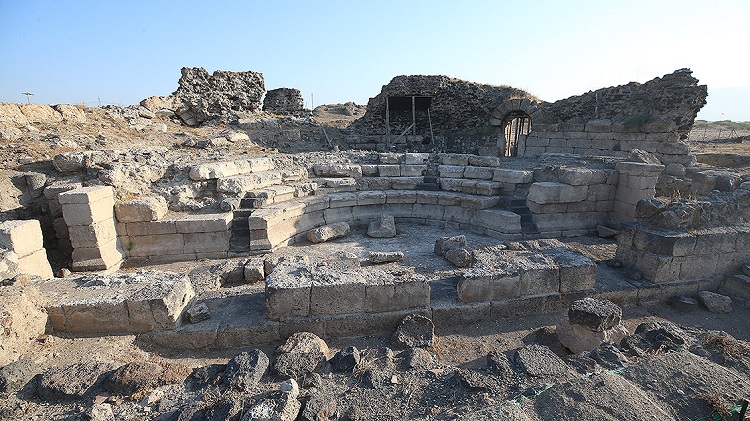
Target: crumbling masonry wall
(460, 112)
(654, 116)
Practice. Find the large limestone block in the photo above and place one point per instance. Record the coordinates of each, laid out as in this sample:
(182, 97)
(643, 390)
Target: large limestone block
(124, 303)
(141, 209)
(245, 183)
(287, 292)
(213, 222)
(336, 291)
(93, 235)
(498, 220)
(36, 264)
(551, 192)
(22, 320)
(329, 232)
(451, 171)
(482, 173)
(223, 169)
(338, 170)
(85, 195)
(104, 257)
(87, 205)
(482, 285)
(505, 175)
(22, 237)
(155, 244)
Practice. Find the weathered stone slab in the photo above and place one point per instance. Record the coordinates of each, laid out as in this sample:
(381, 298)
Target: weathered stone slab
(216, 170)
(329, 232)
(385, 227)
(244, 183)
(551, 192)
(338, 170)
(22, 237)
(214, 222)
(595, 314)
(141, 209)
(378, 257)
(138, 302)
(505, 175)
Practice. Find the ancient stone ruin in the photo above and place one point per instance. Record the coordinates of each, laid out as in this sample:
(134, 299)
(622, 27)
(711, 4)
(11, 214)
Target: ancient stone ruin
(447, 205)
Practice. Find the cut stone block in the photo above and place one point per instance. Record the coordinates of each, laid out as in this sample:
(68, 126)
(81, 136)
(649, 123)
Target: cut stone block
(150, 245)
(128, 303)
(594, 314)
(444, 244)
(550, 192)
(88, 213)
(385, 227)
(141, 209)
(254, 270)
(338, 170)
(22, 237)
(329, 232)
(215, 222)
(36, 264)
(104, 257)
(215, 170)
(93, 235)
(451, 171)
(85, 195)
(504, 175)
(244, 183)
(481, 173)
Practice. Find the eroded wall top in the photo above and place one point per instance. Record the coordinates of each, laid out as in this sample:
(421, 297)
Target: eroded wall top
(459, 110)
(675, 97)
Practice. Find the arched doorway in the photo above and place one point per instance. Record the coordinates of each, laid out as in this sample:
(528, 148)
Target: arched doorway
(515, 124)
(513, 118)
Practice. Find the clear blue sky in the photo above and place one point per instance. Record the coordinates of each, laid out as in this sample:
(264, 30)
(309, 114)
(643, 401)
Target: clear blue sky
(124, 51)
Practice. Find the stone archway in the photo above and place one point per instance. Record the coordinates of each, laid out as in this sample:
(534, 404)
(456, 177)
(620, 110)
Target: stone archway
(514, 121)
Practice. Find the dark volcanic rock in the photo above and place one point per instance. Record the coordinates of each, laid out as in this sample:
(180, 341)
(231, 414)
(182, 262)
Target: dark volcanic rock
(16, 375)
(652, 337)
(245, 370)
(71, 381)
(540, 361)
(303, 353)
(415, 331)
(140, 376)
(595, 314)
(345, 359)
(285, 101)
(418, 359)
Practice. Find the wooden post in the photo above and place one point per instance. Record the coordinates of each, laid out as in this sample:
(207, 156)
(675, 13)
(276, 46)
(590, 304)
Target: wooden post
(413, 116)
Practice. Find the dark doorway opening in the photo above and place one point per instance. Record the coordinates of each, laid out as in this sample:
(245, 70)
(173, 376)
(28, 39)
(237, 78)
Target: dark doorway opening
(408, 112)
(515, 125)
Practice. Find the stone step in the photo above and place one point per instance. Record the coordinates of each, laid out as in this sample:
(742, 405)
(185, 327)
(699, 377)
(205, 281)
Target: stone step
(277, 194)
(737, 285)
(242, 184)
(529, 228)
(428, 187)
